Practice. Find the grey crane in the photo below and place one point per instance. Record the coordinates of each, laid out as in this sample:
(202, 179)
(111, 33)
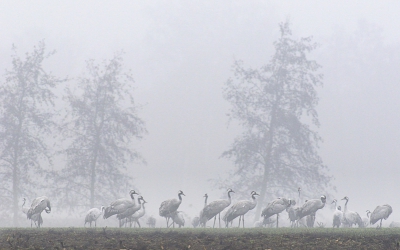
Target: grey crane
(196, 220)
(311, 206)
(351, 217)
(168, 207)
(139, 214)
(240, 208)
(215, 208)
(366, 220)
(337, 215)
(92, 215)
(293, 210)
(380, 213)
(276, 207)
(38, 205)
(119, 206)
(36, 218)
(129, 211)
(178, 218)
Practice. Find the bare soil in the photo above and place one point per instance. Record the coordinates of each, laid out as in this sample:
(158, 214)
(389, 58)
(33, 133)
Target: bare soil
(111, 238)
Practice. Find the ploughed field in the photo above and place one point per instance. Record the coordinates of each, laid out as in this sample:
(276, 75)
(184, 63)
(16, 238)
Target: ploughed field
(189, 238)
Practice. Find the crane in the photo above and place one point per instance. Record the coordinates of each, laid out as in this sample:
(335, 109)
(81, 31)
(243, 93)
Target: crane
(120, 205)
(92, 215)
(35, 217)
(351, 217)
(240, 208)
(215, 208)
(337, 215)
(129, 211)
(139, 214)
(311, 206)
(276, 207)
(196, 220)
(380, 213)
(38, 205)
(177, 217)
(168, 207)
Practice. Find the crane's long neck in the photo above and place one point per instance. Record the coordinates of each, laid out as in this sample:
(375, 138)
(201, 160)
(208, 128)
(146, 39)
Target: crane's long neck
(299, 197)
(180, 197)
(229, 198)
(254, 199)
(345, 206)
(205, 202)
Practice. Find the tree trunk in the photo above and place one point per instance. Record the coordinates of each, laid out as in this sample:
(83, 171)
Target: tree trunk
(267, 164)
(93, 173)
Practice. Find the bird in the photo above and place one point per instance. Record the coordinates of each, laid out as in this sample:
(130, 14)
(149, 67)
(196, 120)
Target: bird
(35, 217)
(196, 220)
(311, 206)
(215, 208)
(38, 205)
(129, 211)
(139, 214)
(92, 215)
(119, 205)
(394, 224)
(366, 220)
(177, 217)
(293, 210)
(240, 208)
(337, 215)
(351, 217)
(276, 207)
(380, 213)
(168, 207)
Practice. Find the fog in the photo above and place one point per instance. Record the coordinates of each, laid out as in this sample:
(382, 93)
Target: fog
(181, 53)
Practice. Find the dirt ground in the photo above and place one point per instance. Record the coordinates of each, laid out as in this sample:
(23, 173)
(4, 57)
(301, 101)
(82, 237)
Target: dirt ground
(111, 238)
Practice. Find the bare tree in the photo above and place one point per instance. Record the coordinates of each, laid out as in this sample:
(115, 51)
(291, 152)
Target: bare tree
(277, 152)
(27, 101)
(100, 126)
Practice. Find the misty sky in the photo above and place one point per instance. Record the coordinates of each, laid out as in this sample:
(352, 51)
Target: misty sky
(181, 53)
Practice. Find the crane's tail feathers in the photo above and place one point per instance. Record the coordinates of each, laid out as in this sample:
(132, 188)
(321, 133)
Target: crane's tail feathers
(109, 211)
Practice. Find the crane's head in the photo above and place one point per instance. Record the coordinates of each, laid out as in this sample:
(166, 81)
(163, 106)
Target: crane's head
(141, 198)
(181, 193)
(299, 189)
(132, 192)
(334, 201)
(24, 199)
(254, 193)
(205, 196)
(102, 208)
(323, 198)
(339, 208)
(230, 190)
(368, 212)
(346, 198)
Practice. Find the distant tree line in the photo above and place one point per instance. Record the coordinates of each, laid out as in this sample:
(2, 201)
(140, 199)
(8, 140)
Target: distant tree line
(276, 153)
(94, 136)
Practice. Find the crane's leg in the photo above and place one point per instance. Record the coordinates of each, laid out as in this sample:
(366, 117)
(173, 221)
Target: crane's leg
(381, 224)
(215, 217)
(95, 223)
(243, 220)
(239, 220)
(277, 220)
(219, 219)
(138, 223)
